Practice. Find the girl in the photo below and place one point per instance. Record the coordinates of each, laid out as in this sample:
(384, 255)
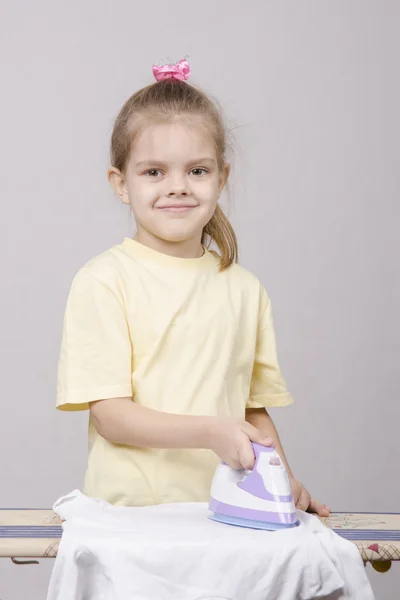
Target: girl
(170, 345)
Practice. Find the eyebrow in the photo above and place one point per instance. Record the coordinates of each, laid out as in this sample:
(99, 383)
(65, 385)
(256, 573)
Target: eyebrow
(162, 163)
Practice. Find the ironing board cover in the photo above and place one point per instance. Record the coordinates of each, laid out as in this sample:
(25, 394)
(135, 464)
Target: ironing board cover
(377, 536)
(36, 533)
(29, 533)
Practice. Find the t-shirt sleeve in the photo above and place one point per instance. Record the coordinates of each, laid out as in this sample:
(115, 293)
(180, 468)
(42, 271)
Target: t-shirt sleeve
(268, 387)
(96, 354)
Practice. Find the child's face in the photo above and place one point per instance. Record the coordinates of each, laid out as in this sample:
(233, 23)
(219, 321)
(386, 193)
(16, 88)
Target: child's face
(172, 182)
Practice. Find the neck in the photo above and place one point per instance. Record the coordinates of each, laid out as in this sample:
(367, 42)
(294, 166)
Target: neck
(191, 248)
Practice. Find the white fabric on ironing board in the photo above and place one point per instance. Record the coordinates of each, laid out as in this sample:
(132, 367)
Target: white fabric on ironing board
(173, 552)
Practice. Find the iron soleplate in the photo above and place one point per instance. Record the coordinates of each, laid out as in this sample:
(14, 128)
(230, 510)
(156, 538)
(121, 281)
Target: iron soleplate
(250, 524)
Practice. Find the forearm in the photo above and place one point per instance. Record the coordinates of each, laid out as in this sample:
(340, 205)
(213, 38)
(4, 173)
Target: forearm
(259, 418)
(121, 421)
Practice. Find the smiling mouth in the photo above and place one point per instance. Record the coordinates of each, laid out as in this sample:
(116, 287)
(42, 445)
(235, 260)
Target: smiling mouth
(177, 209)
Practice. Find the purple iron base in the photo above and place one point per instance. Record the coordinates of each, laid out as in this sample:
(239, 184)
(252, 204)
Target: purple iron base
(249, 524)
(253, 519)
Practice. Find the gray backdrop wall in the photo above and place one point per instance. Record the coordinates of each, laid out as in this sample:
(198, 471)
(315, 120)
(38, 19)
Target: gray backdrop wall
(312, 91)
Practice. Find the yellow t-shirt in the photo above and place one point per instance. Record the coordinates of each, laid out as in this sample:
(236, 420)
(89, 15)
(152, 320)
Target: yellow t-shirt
(177, 336)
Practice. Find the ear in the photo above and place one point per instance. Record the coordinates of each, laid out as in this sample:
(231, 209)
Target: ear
(223, 178)
(117, 182)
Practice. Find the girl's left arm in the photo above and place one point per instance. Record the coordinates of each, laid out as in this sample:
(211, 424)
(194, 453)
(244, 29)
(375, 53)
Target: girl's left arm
(259, 418)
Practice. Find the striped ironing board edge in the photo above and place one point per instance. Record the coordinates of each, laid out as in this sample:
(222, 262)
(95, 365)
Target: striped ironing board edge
(29, 533)
(377, 535)
(36, 533)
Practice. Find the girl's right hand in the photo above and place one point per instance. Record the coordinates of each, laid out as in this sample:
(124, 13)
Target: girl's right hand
(231, 439)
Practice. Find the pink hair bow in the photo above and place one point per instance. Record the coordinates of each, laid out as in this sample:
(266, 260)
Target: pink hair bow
(181, 71)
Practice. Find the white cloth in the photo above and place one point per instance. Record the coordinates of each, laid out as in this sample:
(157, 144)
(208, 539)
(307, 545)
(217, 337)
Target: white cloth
(173, 552)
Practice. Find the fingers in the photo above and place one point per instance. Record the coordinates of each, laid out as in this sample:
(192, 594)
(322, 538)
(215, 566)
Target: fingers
(255, 435)
(246, 454)
(235, 464)
(304, 499)
(320, 509)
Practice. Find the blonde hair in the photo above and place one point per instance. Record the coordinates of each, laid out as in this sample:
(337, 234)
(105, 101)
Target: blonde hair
(171, 100)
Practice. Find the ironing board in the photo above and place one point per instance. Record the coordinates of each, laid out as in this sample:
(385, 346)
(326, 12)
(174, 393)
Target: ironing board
(32, 534)
(376, 535)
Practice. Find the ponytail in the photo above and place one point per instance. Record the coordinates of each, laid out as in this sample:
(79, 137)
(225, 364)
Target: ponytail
(220, 231)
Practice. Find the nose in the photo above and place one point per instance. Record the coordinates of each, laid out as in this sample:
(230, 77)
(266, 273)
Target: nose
(177, 187)
(178, 192)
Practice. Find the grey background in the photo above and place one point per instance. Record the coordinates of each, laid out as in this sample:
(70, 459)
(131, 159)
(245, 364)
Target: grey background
(312, 92)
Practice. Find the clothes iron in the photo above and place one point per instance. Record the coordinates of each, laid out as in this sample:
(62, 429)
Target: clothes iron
(258, 499)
